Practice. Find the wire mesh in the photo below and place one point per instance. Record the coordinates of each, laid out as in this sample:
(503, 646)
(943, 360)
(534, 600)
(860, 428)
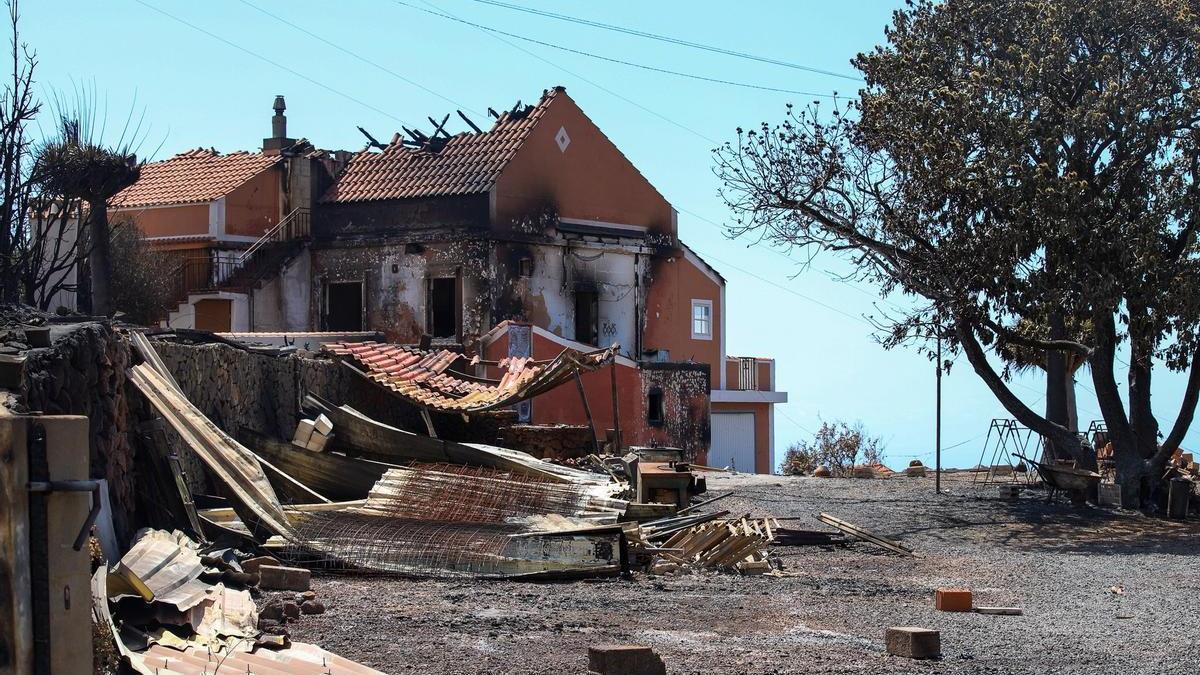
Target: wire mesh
(431, 520)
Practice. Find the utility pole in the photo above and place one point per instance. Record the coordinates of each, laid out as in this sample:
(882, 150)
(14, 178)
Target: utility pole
(937, 473)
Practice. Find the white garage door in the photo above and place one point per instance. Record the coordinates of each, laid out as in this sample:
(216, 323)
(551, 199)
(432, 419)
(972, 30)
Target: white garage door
(732, 441)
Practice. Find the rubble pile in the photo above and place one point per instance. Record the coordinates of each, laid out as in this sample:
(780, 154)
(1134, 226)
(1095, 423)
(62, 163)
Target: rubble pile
(174, 607)
(349, 493)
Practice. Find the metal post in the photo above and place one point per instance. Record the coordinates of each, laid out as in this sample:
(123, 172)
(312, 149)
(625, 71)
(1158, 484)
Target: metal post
(937, 473)
(616, 410)
(587, 410)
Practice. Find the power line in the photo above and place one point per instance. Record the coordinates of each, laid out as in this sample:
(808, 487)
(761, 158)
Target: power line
(610, 59)
(785, 289)
(365, 60)
(668, 39)
(785, 256)
(270, 61)
(582, 78)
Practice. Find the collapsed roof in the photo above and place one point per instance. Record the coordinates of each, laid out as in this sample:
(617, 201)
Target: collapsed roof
(466, 163)
(424, 378)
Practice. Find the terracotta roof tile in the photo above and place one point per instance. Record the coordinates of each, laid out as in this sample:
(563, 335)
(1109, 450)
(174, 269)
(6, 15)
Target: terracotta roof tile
(423, 379)
(468, 164)
(200, 175)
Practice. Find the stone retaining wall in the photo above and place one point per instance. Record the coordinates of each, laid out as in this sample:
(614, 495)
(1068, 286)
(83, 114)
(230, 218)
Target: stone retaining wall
(83, 373)
(557, 441)
(239, 389)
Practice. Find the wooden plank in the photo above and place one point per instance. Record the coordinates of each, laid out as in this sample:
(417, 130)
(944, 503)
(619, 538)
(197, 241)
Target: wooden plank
(233, 464)
(68, 571)
(376, 440)
(864, 534)
(16, 627)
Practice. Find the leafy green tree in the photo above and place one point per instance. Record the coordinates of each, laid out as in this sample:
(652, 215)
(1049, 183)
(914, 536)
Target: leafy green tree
(1010, 159)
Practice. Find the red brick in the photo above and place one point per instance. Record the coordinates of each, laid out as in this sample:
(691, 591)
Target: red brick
(952, 600)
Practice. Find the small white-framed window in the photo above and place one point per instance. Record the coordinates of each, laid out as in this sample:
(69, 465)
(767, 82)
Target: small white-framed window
(702, 320)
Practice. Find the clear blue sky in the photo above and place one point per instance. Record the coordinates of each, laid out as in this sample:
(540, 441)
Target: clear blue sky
(196, 90)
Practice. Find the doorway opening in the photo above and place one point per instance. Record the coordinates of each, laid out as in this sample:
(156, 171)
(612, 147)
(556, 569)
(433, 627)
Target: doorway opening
(587, 316)
(344, 306)
(442, 313)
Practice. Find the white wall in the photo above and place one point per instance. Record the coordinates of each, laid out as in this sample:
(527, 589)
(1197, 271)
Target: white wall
(611, 270)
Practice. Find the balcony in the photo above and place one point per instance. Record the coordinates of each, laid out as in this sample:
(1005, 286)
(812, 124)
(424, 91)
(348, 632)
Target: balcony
(748, 380)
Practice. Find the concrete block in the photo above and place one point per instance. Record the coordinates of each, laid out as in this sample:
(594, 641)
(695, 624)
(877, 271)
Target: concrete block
(913, 643)
(277, 578)
(304, 431)
(624, 660)
(317, 442)
(322, 425)
(1109, 495)
(1009, 491)
(916, 471)
(253, 564)
(952, 600)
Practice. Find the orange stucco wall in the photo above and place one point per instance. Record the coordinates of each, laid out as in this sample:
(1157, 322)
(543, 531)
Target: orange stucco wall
(674, 283)
(166, 221)
(762, 430)
(253, 208)
(590, 180)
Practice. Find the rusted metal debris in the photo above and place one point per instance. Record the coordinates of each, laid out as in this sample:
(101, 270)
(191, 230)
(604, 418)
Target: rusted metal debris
(513, 517)
(424, 378)
(185, 625)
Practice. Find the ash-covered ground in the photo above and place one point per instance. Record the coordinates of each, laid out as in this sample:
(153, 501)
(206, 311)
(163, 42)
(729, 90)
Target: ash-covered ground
(1102, 591)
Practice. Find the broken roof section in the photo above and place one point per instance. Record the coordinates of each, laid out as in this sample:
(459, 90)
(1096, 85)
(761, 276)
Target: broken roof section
(194, 176)
(424, 379)
(466, 164)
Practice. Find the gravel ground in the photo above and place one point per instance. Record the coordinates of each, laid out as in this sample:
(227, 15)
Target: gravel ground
(1059, 562)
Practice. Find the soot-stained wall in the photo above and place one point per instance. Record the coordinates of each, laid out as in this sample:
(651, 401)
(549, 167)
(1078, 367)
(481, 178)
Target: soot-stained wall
(685, 395)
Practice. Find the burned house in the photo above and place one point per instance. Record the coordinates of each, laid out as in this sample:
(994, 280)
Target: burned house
(531, 236)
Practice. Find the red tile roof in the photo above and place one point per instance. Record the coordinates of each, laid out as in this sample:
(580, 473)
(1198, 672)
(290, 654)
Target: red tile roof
(200, 175)
(423, 377)
(468, 164)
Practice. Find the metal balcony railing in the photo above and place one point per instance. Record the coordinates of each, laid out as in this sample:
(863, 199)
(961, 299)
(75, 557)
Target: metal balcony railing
(238, 269)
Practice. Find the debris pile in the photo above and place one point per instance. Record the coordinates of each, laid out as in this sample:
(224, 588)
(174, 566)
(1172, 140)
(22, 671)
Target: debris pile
(313, 434)
(351, 494)
(719, 543)
(173, 607)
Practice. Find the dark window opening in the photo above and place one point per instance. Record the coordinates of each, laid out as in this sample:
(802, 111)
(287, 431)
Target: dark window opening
(442, 320)
(587, 317)
(525, 266)
(654, 407)
(343, 306)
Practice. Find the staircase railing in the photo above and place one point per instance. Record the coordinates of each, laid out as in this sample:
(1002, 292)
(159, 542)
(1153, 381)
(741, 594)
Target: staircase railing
(217, 270)
(295, 225)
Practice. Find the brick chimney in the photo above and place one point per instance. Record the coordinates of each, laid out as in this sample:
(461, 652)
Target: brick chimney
(278, 141)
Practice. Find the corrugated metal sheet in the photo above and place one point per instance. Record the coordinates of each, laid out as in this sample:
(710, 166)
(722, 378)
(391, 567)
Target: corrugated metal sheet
(167, 567)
